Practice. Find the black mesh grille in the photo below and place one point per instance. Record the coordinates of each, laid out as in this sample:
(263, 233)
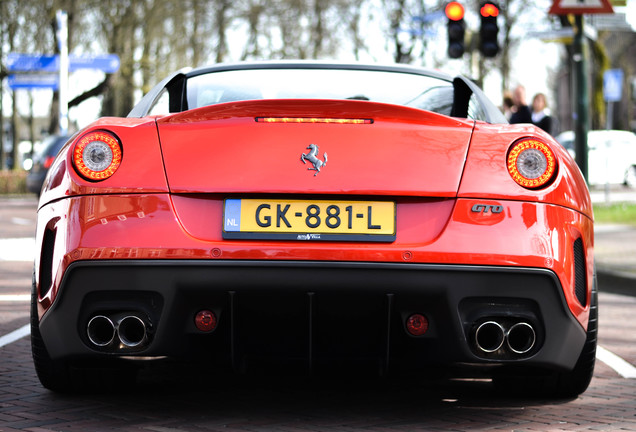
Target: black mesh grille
(46, 262)
(580, 275)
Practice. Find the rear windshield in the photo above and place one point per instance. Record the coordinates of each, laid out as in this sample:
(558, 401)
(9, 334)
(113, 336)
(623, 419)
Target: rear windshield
(412, 90)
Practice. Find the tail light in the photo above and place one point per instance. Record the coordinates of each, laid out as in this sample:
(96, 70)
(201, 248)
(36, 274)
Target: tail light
(313, 120)
(97, 155)
(48, 162)
(531, 163)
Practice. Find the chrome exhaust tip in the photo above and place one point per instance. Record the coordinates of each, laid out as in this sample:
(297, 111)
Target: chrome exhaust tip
(100, 331)
(489, 336)
(132, 331)
(521, 337)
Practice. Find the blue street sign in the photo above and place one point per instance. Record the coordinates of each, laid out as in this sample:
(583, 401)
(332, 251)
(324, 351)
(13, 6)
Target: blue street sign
(429, 17)
(613, 85)
(34, 81)
(32, 62)
(108, 63)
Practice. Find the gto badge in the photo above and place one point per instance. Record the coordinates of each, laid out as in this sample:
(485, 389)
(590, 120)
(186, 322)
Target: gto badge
(312, 157)
(484, 208)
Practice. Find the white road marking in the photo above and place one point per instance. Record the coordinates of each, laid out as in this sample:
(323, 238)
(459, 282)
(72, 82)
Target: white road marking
(623, 368)
(17, 249)
(21, 221)
(8, 298)
(15, 335)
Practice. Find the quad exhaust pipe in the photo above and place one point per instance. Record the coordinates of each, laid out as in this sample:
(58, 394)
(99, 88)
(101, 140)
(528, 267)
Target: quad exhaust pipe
(489, 336)
(132, 331)
(129, 331)
(101, 331)
(519, 338)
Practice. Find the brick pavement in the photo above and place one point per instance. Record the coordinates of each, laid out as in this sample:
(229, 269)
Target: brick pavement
(171, 400)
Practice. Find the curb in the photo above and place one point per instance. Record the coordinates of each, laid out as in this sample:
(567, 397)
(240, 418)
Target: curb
(616, 282)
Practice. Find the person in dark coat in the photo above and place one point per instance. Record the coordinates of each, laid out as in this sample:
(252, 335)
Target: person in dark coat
(521, 112)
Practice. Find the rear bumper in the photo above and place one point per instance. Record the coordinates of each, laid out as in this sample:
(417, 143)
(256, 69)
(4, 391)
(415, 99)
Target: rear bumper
(312, 312)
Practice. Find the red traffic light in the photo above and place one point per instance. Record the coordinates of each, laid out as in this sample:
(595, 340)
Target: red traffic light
(454, 11)
(488, 30)
(489, 10)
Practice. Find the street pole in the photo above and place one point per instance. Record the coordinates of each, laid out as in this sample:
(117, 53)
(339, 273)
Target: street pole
(581, 95)
(608, 126)
(62, 28)
(2, 163)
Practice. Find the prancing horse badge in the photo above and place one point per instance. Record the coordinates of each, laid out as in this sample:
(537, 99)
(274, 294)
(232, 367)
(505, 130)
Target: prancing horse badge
(312, 157)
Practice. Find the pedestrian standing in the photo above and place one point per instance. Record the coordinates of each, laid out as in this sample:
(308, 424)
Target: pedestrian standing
(540, 114)
(508, 106)
(522, 113)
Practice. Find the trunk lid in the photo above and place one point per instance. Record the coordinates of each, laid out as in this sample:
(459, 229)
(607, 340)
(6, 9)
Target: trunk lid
(400, 152)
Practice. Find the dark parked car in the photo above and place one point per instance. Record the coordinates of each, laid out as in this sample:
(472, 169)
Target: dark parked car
(42, 162)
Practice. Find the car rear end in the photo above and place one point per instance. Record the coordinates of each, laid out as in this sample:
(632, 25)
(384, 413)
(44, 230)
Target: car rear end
(315, 233)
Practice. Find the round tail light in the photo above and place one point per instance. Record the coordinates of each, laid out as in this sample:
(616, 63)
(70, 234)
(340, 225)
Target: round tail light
(531, 163)
(417, 324)
(97, 155)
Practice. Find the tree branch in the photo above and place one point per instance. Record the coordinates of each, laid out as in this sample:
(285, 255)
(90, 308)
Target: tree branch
(95, 91)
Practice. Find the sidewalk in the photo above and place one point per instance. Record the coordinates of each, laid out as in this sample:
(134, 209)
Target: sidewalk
(615, 254)
(615, 245)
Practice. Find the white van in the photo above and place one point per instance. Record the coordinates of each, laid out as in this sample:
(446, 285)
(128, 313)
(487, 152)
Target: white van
(611, 156)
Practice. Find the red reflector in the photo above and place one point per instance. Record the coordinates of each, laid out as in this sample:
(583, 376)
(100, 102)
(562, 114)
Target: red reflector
(417, 324)
(205, 321)
(312, 120)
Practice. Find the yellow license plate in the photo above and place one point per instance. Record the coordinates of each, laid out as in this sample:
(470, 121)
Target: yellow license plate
(309, 220)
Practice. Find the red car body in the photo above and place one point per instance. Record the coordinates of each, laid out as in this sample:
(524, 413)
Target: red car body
(416, 246)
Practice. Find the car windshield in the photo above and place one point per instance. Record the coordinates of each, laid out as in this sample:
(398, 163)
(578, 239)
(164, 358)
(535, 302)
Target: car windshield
(412, 90)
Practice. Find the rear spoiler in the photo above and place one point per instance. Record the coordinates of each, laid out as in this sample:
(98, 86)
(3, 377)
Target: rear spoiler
(464, 90)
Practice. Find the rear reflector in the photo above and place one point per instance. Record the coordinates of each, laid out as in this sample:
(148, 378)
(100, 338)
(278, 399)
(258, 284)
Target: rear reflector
(417, 324)
(205, 321)
(312, 120)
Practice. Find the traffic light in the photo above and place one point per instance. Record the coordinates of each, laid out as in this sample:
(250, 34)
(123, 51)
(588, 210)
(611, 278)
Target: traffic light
(456, 29)
(488, 44)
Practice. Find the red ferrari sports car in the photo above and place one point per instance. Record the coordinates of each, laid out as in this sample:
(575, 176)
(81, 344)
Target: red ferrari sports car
(315, 217)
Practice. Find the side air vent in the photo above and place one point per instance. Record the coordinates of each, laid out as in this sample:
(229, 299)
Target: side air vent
(46, 261)
(580, 275)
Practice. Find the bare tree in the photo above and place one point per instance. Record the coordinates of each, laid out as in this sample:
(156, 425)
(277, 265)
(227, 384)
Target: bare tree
(119, 21)
(352, 15)
(408, 26)
(21, 38)
(221, 23)
(253, 15)
(154, 37)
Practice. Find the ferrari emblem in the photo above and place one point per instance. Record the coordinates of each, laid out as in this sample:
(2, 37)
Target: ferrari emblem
(312, 157)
